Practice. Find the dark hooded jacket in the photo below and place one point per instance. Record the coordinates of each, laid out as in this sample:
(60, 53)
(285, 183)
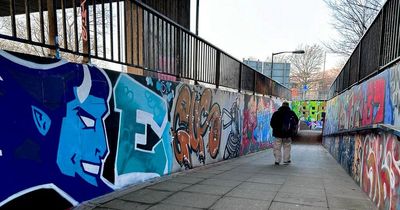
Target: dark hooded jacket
(277, 121)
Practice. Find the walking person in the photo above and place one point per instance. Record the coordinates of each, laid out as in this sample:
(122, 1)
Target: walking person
(284, 126)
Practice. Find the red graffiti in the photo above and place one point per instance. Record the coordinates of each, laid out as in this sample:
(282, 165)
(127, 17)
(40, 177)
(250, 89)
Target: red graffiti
(84, 20)
(373, 110)
(249, 124)
(380, 169)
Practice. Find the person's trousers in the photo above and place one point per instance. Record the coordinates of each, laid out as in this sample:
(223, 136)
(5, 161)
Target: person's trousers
(287, 142)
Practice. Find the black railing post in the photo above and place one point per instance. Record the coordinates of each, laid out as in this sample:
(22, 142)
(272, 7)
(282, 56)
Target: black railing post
(196, 68)
(218, 68)
(382, 35)
(13, 21)
(240, 77)
(254, 82)
(359, 64)
(179, 54)
(52, 24)
(28, 20)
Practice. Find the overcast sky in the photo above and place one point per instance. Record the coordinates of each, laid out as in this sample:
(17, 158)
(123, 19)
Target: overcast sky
(256, 28)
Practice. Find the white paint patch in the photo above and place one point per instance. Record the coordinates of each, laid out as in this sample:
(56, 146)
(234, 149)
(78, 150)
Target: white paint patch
(29, 64)
(1, 78)
(84, 88)
(91, 168)
(133, 178)
(1, 153)
(146, 118)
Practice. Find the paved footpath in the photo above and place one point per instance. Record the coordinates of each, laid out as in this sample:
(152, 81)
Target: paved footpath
(314, 180)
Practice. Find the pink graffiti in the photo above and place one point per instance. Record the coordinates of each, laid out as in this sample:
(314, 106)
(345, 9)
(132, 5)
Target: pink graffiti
(380, 169)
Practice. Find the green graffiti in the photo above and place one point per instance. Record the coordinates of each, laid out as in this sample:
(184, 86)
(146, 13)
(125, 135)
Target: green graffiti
(309, 110)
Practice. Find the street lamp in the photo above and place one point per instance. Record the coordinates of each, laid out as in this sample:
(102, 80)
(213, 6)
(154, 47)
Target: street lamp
(272, 58)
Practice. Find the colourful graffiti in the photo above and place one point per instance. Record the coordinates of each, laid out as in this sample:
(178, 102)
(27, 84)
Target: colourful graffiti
(256, 132)
(144, 148)
(365, 104)
(194, 115)
(249, 125)
(310, 112)
(380, 169)
(372, 159)
(88, 131)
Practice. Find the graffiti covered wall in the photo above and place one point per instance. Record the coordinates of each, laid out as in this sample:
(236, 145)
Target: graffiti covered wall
(372, 159)
(310, 112)
(79, 132)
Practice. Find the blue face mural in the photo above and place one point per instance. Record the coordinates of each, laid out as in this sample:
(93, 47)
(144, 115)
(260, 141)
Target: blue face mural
(54, 125)
(83, 143)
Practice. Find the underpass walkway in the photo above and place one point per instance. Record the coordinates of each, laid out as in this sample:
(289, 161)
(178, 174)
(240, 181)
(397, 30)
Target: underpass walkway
(314, 180)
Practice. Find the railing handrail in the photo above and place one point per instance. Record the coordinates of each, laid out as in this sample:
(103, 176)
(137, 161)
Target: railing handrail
(168, 48)
(384, 60)
(369, 129)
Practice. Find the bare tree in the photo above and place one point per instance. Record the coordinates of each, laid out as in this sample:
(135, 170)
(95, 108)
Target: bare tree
(351, 20)
(305, 67)
(5, 28)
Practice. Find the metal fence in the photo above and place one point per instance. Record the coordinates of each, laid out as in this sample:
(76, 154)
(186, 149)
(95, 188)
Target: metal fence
(379, 47)
(129, 33)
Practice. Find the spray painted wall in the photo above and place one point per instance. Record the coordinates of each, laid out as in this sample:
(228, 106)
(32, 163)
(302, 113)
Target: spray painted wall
(372, 159)
(73, 132)
(310, 112)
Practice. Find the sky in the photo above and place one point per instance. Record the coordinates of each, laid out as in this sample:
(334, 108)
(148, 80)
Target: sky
(257, 28)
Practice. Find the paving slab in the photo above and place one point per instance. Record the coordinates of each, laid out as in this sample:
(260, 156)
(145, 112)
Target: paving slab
(267, 179)
(186, 179)
(164, 206)
(234, 203)
(191, 199)
(209, 189)
(314, 180)
(350, 203)
(168, 186)
(221, 182)
(303, 199)
(252, 194)
(124, 205)
(147, 196)
(290, 206)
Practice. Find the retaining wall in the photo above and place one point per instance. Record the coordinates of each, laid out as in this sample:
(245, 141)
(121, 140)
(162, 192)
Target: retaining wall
(371, 158)
(73, 132)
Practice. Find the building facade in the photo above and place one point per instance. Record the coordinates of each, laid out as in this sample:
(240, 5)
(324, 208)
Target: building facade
(280, 73)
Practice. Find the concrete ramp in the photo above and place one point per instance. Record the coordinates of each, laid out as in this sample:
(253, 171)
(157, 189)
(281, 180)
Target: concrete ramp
(308, 137)
(314, 180)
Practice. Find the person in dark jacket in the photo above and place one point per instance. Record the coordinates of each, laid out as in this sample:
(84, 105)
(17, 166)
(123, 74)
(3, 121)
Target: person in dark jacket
(284, 126)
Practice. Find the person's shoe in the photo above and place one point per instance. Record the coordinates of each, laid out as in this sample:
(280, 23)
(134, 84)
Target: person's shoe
(277, 163)
(287, 162)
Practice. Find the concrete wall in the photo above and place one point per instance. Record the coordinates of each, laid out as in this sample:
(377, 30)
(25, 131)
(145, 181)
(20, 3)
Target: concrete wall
(73, 132)
(372, 159)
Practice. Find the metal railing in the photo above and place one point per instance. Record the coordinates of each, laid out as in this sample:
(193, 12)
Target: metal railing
(378, 48)
(129, 33)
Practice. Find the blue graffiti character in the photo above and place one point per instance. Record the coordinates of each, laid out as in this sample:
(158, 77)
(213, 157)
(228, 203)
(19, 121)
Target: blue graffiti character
(83, 145)
(53, 142)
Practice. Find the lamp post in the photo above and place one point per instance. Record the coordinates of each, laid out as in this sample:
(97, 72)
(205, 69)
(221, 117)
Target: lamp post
(273, 54)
